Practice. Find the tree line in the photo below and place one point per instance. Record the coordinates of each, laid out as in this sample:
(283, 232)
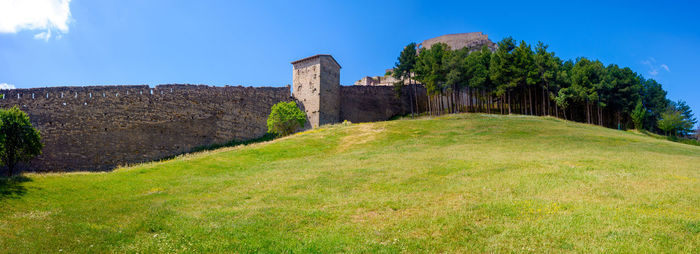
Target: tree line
(517, 79)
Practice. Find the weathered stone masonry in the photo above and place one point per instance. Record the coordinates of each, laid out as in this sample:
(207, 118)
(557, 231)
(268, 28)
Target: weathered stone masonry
(316, 84)
(378, 103)
(101, 127)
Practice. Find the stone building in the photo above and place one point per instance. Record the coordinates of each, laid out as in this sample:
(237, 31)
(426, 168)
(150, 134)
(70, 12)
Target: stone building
(316, 85)
(386, 80)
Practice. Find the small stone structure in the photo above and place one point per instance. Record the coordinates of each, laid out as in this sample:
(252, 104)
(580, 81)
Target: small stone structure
(317, 87)
(386, 80)
(316, 82)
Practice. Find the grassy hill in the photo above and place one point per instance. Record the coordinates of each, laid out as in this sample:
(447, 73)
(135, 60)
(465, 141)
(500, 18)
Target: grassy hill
(459, 183)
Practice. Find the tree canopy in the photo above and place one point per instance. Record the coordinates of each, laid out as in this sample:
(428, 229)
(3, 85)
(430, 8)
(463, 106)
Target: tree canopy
(285, 118)
(19, 140)
(514, 78)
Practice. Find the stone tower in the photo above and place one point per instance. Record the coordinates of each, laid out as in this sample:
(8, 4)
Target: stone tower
(316, 85)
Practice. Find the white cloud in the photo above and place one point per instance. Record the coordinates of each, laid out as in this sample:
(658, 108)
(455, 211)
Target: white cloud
(43, 35)
(44, 16)
(653, 67)
(4, 86)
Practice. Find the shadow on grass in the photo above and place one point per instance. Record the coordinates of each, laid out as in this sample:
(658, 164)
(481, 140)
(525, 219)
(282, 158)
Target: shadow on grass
(264, 138)
(13, 187)
(682, 140)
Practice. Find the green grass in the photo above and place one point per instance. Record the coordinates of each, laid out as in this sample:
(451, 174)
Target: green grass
(459, 183)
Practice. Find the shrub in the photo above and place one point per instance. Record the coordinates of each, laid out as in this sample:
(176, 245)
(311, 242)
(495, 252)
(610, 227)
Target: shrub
(19, 141)
(285, 118)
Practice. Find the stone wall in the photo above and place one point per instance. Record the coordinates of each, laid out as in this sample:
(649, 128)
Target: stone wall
(101, 127)
(377, 103)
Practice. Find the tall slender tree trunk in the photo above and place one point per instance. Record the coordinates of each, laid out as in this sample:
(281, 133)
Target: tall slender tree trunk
(490, 102)
(523, 103)
(529, 92)
(430, 110)
(500, 104)
(415, 93)
(549, 101)
(470, 102)
(469, 99)
(509, 111)
(410, 98)
(10, 161)
(588, 112)
(454, 100)
(503, 104)
(544, 105)
(477, 100)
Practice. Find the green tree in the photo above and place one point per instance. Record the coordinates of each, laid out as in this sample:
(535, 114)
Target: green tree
(525, 74)
(546, 65)
(688, 119)
(478, 70)
(431, 71)
(559, 88)
(586, 77)
(671, 120)
(403, 69)
(19, 140)
(457, 74)
(638, 115)
(621, 93)
(654, 99)
(502, 70)
(285, 118)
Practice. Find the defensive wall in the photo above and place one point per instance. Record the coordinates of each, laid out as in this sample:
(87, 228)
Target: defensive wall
(379, 103)
(101, 127)
(96, 128)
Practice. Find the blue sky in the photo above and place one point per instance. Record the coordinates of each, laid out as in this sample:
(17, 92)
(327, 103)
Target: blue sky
(105, 42)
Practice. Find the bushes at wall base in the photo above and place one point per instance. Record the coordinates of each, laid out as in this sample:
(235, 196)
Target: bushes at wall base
(19, 140)
(285, 118)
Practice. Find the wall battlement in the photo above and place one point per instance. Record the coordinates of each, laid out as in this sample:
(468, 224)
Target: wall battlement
(67, 93)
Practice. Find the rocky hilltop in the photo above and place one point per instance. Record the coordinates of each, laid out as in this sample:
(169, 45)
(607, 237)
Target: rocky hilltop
(475, 40)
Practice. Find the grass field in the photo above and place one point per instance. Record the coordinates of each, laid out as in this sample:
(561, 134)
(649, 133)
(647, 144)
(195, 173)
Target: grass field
(459, 183)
